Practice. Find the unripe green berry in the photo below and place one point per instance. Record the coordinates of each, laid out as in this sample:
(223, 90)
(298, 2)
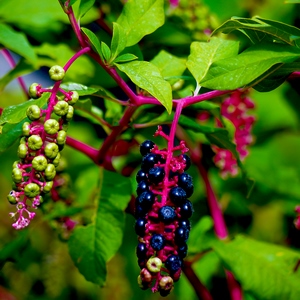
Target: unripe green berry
(16, 164)
(51, 126)
(17, 175)
(12, 198)
(75, 97)
(22, 150)
(26, 129)
(50, 172)
(56, 73)
(39, 163)
(51, 150)
(48, 186)
(31, 190)
(23, 140)
(70, 113)
(61, 108)
(154, 264)
(61, 137)
(35, 142)
(56, 160)
(32, 91)
(33, 112)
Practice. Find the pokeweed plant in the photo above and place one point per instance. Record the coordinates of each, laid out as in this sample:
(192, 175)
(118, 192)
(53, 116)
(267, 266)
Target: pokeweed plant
(188, 104)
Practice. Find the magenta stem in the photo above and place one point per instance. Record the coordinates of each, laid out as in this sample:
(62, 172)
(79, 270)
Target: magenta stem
(235, 290)
(6, 54)
(75, 56)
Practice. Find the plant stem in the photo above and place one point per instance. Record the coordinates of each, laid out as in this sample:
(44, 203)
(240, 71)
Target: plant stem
(75, 56)
(201, 291)
(7, 55)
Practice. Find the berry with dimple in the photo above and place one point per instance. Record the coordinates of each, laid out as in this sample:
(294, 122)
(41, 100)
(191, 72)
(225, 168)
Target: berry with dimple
(156, 175)
(33, 112)
(35, 142)
(61, 108)
(56, 73)
(177, 195)
(146, 147)
(167, 214)
(39, 163)
(157, 241)
(145, 199)
(173, 263)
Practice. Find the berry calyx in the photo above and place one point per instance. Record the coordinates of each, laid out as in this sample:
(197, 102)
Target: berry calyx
(33, 112)
(39, 163)
(154, 264)
(51, 126)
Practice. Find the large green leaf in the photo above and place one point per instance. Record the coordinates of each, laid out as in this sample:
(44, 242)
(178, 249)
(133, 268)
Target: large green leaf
(93, 245)
(148, 77)
(203, 55)
(169, 65)
(245, 68)
(81, 89)
(16, 42)
(266, 270)
(258, 29)
(16, 113)
(140, 18)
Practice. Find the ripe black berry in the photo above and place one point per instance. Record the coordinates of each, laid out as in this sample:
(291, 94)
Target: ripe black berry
(156, 175)
(140, 226)
(187, 161)
(185, 181)
(184, 224)
(157, 241)
(141, 175)
(186, 209)
(164, 293)
(182, 250)
(177, 195)
(145, 199)
(181, 235)
(142, 187)
(173, 263)
(140, 211)
(167, 214)
(146, 147)
(149, 161)
(141, 250)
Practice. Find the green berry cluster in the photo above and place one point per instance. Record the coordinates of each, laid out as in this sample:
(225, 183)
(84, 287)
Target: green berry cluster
(43, 137)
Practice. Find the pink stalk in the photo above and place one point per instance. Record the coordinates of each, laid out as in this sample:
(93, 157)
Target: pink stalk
(6, 54)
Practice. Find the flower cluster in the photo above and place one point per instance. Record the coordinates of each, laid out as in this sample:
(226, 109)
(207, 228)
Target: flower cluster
(39, 151)
(162, 211)
(235, 108)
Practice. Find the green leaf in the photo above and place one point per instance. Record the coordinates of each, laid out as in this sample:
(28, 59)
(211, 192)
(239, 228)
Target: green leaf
(292, 1)
(118, 42)
(106, 53)
(258, 30)
(265, 270)
(86, 110)
(125, 58)
(16, 113)
(203, 55)
(84, 7)
(10, 133)
(169, 65)
(81, 89)
(92, 246)
(245, 68)
(16, 42)
(148, 77)
(93, 40)
(22, 68)
(140, 18)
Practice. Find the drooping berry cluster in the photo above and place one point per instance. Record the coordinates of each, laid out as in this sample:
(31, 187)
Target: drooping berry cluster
(235, 108)
(162, 210)
(39, 151)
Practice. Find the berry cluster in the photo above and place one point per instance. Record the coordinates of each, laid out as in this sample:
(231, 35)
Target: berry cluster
(162, 211)
(39, 151)
(235, 108)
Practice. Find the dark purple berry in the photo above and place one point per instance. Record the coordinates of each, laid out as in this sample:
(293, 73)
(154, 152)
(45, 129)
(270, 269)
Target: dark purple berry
(140, 211)
(141, 175)
(177, 195)
(142, 187)
(146, 147)
(185, 181)
(157, 241)
(181, 235)
(167, 214)
(141, 250)
(149, 161)
(140, 226)
(184, 224)
(186, 209)
(145, 199)
(156, 175)
(173, 263)
(182, 250)
(164, 293)
(142, 262)
(187, 161)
